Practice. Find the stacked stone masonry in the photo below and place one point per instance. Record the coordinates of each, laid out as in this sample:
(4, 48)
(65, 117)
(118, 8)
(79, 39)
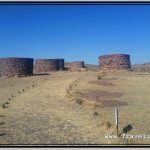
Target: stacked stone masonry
(46, 65)
(115, 62)
(78, 64)
(61, 63)
(10, 67)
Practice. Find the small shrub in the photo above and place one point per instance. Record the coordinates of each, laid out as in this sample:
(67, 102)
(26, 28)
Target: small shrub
(2, 123)
(68, 92)
(70, 87)
(77, 93)
(95, 113)
(106, 124)
(99, 77)
(12, 95)
(4, 106)
(79, 100)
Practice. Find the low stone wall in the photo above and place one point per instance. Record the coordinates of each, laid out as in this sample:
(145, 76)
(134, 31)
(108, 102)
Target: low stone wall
(115, 62)
(46, 65)
(78, 64)
(10, 67)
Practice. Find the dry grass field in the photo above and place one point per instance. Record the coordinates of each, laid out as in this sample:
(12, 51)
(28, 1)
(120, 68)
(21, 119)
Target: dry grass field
(74, 108)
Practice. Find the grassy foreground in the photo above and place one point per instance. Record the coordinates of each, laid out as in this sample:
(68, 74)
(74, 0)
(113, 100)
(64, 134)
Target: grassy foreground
(74, 108)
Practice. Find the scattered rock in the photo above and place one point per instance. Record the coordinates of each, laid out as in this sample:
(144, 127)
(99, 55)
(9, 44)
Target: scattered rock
(1, 134)
(106, 124)
(1, 123)
(95, 113)
(12, 95)
(5, 106)
(79, 101)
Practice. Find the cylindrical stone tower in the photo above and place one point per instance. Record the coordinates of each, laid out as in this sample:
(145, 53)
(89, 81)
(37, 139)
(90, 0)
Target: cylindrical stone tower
(115, 62)
(46, 65)
(78, 64)
(61, 63)
(14, 66)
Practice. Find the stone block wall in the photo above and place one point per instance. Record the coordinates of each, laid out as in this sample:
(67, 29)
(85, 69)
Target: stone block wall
(115, 62)
(78, 64)
(61, 64)
(46, 65)
(14, 66)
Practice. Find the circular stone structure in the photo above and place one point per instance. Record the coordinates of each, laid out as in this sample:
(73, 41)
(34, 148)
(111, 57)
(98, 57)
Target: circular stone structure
(61, 63)
(78, 64)
(46, 65)
(14, 66)
(115, 62)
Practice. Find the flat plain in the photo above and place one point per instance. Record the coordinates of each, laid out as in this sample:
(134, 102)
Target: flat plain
(74, 108)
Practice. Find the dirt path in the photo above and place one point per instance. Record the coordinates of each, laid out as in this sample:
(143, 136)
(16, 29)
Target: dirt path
(43, 115)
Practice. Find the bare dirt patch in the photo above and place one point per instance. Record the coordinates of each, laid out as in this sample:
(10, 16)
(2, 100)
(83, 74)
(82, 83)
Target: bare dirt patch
(102, 97)
(101, 94)
(113, 103)
(103, 83)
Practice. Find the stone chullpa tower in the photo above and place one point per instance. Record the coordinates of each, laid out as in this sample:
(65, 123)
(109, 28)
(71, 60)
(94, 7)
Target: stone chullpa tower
(14, 66)
(115, 62)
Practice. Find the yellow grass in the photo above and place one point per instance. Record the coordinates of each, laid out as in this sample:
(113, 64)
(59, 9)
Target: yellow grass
(45, 114)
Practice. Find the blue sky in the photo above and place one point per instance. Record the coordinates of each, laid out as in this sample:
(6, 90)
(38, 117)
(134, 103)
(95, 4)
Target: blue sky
(75, 32)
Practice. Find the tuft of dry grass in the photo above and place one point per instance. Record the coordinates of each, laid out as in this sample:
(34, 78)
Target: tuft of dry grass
(106, 124)
(79, 100)
(95, 113)
(99, 77)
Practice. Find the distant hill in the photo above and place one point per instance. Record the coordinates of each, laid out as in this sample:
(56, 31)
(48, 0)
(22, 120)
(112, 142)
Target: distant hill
(92, 67)
(135, 67)
(141, 67)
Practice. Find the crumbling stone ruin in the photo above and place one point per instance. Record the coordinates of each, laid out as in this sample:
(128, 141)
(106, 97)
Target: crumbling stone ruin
(78, 64)
(14, 66)
(115, 62)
